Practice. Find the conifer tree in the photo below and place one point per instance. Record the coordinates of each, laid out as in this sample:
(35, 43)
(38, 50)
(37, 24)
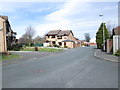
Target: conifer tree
(99, 35)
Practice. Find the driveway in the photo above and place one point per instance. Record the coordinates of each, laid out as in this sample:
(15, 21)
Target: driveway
(76, 68)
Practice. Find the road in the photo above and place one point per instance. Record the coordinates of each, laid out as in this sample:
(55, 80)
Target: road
(76, 68)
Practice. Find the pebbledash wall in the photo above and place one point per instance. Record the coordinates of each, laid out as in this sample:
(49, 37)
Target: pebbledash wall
(3, 46)
(116, 41)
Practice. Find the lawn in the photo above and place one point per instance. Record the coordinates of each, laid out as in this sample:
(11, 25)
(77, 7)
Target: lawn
(42, 49)
(50, 49)
(9, 57)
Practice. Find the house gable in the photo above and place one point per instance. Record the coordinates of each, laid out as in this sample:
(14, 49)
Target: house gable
(116, 31)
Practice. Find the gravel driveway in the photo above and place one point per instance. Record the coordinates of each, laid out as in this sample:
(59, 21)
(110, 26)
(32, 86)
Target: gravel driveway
(29, 55)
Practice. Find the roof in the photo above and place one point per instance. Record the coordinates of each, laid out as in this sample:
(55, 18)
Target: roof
(65, 32)
(4, 17)
(60, 32)
(68, 40)
(54, 32)
(76, 38)
(116, 31)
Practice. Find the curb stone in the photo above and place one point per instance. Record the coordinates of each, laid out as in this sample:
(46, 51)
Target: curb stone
(106, 58)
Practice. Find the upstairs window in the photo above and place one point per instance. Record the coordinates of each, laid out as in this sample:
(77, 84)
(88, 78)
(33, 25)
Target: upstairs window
(53, 37)
(65, 37)
(59, 37)
(48, 37)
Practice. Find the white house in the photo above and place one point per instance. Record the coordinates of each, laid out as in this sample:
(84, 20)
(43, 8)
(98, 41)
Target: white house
(116, 39)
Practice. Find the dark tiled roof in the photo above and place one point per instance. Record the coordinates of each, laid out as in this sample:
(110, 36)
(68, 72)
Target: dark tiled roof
(66, 32)
(4, 17)
(60, 32)
(116, 31)
(54, 32)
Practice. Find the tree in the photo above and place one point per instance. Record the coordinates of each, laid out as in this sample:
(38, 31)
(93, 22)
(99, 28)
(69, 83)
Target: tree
(39, 39)
(30, 32)
(27, 37)
(87, 37)
(99, 35)
(110, 26)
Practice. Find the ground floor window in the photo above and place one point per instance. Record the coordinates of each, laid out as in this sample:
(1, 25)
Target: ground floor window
(60, 43)
(53, 42)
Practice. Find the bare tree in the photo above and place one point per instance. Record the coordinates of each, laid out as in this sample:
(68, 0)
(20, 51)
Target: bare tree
(87, 37)
(110, 26)
(27, 38)
(39, 39)
(30, 32)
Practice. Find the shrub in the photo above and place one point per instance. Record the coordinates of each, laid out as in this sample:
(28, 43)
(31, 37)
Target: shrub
(117, 53)
(50, 45)
(15, 47)
(65, 46)
(55, 45)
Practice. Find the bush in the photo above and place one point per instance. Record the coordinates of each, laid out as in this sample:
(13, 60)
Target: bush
(65, 46)
(15, 47)
(55, 45)
(32, 44)
(50, 45)
(117, 53)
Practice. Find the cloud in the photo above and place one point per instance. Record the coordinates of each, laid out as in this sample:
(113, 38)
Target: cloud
(76, 16)
(80, 17)
(62, 18)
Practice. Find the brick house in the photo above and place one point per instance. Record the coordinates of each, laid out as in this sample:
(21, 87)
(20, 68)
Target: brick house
(7, 36)
(62, 38)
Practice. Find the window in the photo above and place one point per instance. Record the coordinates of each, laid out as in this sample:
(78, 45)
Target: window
(53, 42)
(48, 37)
(65, 37)
(60, 43)
(53, 36)
(59, 37)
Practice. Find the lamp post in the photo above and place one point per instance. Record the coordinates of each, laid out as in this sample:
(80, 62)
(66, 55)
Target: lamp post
(103, 35)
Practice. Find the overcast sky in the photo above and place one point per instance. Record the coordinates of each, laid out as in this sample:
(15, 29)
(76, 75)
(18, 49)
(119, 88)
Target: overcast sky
(80, 17)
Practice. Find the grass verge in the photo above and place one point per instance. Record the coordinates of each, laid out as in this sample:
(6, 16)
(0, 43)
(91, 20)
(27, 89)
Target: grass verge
(50, 49)
(9, 57)
(42, 49)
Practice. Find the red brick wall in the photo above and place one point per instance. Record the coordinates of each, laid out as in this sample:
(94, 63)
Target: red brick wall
(109, 45)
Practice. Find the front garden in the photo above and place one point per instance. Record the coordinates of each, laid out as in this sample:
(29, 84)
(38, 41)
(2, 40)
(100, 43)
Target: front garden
(40, 49)
(19, 47)
(117, 53)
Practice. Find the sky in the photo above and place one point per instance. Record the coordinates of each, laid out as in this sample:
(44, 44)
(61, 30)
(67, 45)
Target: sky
(80, 17)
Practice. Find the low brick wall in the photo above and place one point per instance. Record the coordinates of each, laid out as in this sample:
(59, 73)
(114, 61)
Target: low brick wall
(109, 46)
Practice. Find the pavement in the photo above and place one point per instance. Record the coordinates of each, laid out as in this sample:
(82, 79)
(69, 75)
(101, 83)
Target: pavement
(76, 68)
(105, 56)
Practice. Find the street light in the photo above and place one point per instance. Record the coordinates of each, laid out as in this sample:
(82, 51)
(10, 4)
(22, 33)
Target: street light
(103, 35)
